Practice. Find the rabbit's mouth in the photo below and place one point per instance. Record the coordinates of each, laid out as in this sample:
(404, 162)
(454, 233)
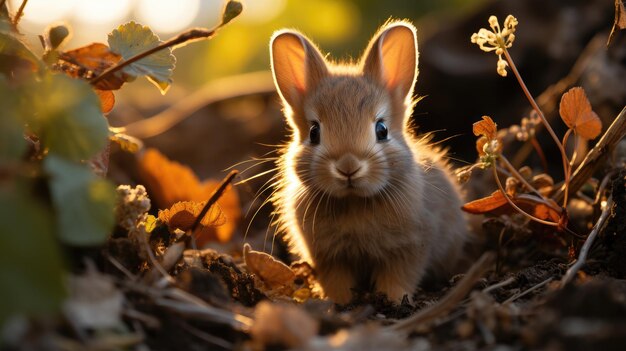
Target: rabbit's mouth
(352, 187)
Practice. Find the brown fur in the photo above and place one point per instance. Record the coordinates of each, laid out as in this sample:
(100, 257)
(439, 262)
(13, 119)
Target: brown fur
(399, 214)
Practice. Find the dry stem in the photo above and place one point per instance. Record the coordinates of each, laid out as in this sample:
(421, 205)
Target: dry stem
(527, 291)
(217, 193)
(517, 208)
(582, 256)
(450, 300)
(596, 157)
(19, 14)
(549, 99)
(533, 103)
(183, 38)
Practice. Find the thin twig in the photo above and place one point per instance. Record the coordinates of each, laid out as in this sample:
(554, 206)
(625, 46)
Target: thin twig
(501, 284)
(206, 337)
(584, 251)
(120, 267)
(527, 291)
(517, 208)
(519, 177)
(595, 157)
(19, 14)
(183, 38)
(450, 300)
(217, 193)
(186, 303)
(539, 150)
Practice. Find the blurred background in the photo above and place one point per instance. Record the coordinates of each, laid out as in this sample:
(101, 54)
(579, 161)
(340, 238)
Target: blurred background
(339, 26)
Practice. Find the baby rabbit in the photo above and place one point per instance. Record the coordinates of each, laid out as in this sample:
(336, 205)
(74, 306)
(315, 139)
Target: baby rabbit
(360, 198)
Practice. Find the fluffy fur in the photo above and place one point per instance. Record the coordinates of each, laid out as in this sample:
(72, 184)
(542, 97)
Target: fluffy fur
(366, 213)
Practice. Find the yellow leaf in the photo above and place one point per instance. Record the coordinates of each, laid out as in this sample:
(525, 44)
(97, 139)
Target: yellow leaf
(182, 215)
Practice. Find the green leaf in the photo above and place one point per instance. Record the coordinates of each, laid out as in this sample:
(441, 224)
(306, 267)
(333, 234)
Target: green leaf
(131, 39)
(232, 10)
(84, 203)
(67, 117)
(15, 58)
(57, 34)
(151, 223)
(12, 143)
(31, 276)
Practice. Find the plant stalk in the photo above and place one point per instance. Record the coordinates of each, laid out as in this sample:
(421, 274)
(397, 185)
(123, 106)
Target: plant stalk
(213, 199)
(19, 14)
(183, 38)
(517, 208)
(535, 106)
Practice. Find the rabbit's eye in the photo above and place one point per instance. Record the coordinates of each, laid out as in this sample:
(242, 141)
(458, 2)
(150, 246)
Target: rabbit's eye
(381, 131)
(314, 133)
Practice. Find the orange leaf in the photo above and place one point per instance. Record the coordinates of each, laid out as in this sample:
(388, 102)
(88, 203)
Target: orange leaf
(537, 208)
(487, 127)
(576, 112)
(107, 100)
(182, 215)
(267, 268)
(229, 203)
(169, 182)
(486, 204)
(89, 61)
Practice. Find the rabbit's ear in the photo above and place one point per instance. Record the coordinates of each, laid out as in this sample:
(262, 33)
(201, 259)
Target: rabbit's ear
(297, 66)
(391, 59)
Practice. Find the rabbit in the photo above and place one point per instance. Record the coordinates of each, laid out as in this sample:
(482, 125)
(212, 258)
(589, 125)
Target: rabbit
(359, 197)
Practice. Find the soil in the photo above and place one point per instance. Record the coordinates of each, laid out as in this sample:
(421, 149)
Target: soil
(522, 306)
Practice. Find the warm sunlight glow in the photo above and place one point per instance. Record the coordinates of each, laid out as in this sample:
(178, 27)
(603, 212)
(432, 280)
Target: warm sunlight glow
(98, 11)
(259, 11)
(167, 16)
(44, 11)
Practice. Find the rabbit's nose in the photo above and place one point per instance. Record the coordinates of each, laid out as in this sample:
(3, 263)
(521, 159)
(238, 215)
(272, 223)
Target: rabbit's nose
(348, 165)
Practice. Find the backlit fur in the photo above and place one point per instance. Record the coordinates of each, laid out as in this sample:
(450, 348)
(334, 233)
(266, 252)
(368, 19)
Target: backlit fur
(397, 217)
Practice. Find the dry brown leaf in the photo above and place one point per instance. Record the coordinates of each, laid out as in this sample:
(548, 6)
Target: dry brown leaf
(182, 215)
(107, 100)
(266, 267)
(575, 110)
(486, 204)
(90, 61)
(487, 127)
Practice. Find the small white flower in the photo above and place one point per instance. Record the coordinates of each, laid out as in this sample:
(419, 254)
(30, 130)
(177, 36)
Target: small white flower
(497, 39)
